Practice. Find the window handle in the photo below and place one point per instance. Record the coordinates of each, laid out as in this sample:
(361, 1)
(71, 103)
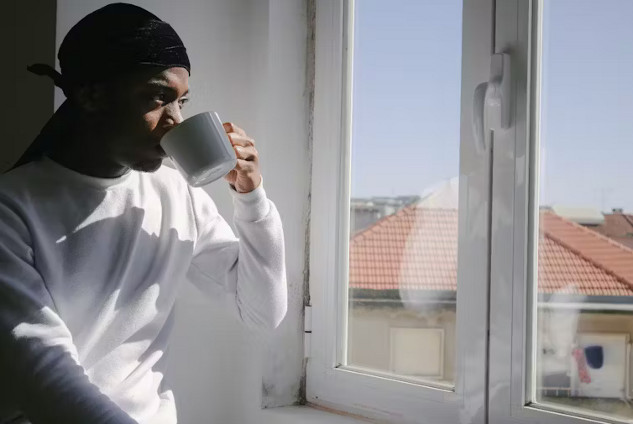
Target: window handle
(492, 102)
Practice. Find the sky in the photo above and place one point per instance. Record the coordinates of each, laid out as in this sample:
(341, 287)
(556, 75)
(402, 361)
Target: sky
(407, 77)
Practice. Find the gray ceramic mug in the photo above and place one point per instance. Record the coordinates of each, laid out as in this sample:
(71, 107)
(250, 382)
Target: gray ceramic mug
(200, 149)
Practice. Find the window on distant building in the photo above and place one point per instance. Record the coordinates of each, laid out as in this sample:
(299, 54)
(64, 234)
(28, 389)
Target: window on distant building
(417, 352)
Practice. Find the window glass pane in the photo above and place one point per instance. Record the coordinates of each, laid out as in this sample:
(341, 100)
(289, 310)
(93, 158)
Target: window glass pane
(585, 235)
(405, 164)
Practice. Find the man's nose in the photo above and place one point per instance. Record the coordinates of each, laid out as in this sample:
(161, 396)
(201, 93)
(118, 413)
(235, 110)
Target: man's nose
(174, 115)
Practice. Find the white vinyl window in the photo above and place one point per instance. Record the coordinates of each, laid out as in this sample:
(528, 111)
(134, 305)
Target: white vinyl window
(471, 248)
(389, 243)
(561, 256)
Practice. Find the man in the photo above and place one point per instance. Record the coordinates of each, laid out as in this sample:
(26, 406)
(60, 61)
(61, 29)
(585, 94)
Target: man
(96, 236)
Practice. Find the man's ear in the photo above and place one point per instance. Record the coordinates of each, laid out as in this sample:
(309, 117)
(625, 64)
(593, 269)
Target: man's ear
(91, 98)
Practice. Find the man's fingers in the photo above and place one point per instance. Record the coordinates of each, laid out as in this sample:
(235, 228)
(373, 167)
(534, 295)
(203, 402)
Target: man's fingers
(243, 177)
(230, 177)
(246, 153)
(241, 140)
(230, 127)
(245, 166)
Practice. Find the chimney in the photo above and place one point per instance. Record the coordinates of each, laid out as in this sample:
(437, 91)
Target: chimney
(617, 210)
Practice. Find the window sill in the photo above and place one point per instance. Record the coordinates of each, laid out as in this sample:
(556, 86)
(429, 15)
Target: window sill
(304, 415)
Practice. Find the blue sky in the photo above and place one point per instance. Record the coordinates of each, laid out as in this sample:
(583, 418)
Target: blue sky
(407, 76)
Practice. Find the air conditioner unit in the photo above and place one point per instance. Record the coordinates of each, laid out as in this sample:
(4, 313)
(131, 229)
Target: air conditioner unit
(606, 357)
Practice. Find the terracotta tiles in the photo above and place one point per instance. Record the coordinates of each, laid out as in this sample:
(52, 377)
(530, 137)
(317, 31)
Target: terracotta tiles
(608, 256)
(412, 249)
(416, 248)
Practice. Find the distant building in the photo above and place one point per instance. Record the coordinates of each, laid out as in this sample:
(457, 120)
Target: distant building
(403, 281)
(618, 226)
(586, 216)
(364, 212)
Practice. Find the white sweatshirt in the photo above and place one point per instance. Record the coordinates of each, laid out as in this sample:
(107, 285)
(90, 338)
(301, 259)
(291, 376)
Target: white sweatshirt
(89, 272)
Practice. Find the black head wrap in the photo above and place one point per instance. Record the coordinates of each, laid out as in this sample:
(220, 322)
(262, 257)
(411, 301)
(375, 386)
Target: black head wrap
(109, 42)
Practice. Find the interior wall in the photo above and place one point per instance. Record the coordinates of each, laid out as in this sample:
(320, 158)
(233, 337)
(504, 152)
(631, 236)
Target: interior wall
(248, 63)
(27, 28)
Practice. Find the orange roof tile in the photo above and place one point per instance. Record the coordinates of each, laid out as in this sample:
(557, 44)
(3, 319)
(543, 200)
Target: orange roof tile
(416, 248)
(413, 249)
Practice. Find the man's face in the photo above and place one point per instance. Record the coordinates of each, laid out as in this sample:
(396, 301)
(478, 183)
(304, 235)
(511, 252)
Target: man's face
(143, 108)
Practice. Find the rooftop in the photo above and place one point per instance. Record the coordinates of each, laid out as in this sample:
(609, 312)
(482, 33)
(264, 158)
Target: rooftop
(416, 249)
(619, 227)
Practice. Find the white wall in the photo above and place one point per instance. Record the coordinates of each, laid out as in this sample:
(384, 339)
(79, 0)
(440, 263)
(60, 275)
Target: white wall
(248, 63)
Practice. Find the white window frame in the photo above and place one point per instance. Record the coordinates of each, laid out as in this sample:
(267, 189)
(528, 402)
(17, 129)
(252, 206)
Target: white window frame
(495, 383)
(515, 206)
(362, 392)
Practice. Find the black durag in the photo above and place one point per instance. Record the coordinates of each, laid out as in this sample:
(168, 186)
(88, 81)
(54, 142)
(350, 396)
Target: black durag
(110, 42)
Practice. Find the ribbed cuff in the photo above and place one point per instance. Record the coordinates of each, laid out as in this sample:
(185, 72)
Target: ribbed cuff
(251, 206)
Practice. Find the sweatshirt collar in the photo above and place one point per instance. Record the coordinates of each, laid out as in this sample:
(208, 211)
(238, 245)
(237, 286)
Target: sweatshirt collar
(52, 167)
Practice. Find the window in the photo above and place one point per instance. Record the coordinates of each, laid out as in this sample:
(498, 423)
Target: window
(391, 338)
(591, 334)
(475, 266)
(561, 300)
(417, 352)
(403, 213)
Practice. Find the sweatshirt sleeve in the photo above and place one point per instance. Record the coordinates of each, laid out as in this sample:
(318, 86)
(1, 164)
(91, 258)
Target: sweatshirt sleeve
(39, 371)
(249, 272)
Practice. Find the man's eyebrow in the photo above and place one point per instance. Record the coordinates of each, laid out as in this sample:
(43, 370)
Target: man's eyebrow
(163, 85)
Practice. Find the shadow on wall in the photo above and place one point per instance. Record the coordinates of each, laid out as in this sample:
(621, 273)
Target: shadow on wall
(27, 28)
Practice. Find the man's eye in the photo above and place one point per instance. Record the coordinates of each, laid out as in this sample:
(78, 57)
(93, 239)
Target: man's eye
(158, 98)
(182, 102)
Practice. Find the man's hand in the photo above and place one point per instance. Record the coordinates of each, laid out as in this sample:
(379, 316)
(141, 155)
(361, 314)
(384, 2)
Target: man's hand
(246, 176)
